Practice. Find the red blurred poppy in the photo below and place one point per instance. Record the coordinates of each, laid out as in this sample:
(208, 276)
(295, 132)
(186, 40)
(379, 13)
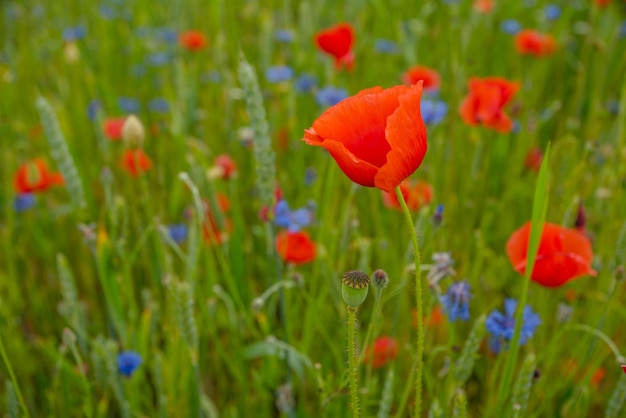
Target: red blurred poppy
(564, 254)
(113, 128)
(224, 167)
(602, 3)
(533, 159)
(485, 102)
(531, 42)
(435, 318)
(34, 176)
(415, 196)
(418, 72)
(135, 161)
(192, 40)
(295, 247)
(381, 352)
(338, 42)
(377, 137)
(483, 6)
(214, 229)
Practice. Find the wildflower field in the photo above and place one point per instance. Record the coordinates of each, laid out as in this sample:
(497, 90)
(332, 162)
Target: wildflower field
(384, 208)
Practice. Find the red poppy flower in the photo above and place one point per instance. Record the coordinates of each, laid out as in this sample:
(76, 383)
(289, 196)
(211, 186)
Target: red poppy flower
(295, 247)
(381, 352)
(483, 6)
(34, 176)
(415, 196)
(136, 161)
(212, 231)
(530, 42)
(338, 41)
(377, 137)
(485, 102)
(564, 254)
(533, 159)
(192, 40)
(417, 73)
(224, 167)
(113, 128)
(602, 3)
(435, 318)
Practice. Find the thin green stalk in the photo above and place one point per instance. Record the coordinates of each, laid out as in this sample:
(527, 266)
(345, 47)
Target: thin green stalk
(354, 378)
(540, 207)
(16, 387)
(418, 297)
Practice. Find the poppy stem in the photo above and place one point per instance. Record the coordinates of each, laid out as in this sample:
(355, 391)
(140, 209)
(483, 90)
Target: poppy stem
(419, 303)
(354, 377)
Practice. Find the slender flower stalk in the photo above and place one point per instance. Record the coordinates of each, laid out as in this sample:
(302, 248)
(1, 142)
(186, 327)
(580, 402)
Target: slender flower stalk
(419, 304)
(354, 377)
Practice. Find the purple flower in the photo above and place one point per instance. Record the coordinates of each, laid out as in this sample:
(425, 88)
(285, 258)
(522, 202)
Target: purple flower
(128, 104)
(159, 105)
(552, 12)
(305, 83)
(92, 109)
(502, 326)
(310, 174)
(283, 35)
(510, 26)
(178, 232)
(385, 46)
(74, 33)
(456, 301)
(127, 362)
(24, 201)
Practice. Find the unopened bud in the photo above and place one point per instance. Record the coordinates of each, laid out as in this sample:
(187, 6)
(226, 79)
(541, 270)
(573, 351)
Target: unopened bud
(133, 132)
(380, 279)
(355, 287)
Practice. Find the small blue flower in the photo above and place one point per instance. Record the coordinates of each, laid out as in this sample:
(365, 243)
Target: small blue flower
(212, 76)
(93, 108)
(283, 35)
(622, 30)
(127, 362)
(294, 220)
(310, 174)
(456, 301)
(128, 104)
(501, 327)
(159, 59)
(433, 111)
(385, 46)
(438, 216)
(106, 12)
(552, 12)
(278, 74)
(330, 96)
(178, 232)
(168, 35)
(74, 33)
(24, 201)
(510, 26)
(138, 70)
(305, 83)
(159, 105)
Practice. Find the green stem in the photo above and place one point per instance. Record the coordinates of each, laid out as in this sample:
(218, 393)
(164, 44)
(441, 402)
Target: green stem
(354, 378)
(418, 297)
(18, 392)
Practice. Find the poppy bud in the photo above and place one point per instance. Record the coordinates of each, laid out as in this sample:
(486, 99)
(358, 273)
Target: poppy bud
(380, 279)
(133, 132)
(355, 287)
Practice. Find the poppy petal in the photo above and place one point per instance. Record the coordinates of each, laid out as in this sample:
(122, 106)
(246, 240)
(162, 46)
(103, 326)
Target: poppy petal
(406, 134)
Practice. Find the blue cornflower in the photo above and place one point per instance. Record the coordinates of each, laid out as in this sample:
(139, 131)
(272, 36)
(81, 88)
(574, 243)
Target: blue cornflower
(552, 12)
(178, 232)
(330, 96)
(283, 35)
(24, 201)
(310, 174)
(278, 74)
(159, 59)
(168, 35)
(305, 83)
(292, 219)
(74, 33)
(456, 301)
(127, 362)
(93, 108)
(385, 46)
(128, 104)
(159, 105)
(433, 111)
(501, 327)
(106, 12)
(510, 26)
(438, 216)
(622, 30)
